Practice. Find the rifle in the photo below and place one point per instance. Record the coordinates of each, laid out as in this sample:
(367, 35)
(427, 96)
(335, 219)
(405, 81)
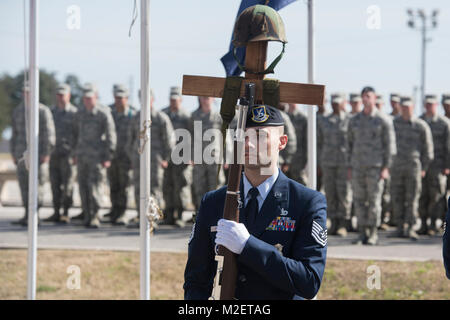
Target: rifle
(226, 260)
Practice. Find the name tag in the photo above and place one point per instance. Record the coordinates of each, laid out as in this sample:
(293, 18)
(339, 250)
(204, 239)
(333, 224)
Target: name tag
(282, 224)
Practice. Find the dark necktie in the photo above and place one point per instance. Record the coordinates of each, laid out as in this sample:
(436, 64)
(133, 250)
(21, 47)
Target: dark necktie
(252, 208)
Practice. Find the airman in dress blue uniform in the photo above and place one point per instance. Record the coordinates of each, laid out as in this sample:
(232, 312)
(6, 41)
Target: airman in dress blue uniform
(281, 237)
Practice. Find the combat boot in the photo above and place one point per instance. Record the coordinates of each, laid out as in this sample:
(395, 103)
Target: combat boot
(373, 237)
(432, 230)
(80, 216)
(412, 234)
(333, 227)
(54, 217)
(168, 217)
(363, 236)
(423, 227)
(121, 221)
(93, 223)
(341, 229)
(65, 217)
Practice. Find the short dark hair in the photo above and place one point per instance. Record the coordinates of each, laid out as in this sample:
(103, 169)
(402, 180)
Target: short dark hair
(367, 89)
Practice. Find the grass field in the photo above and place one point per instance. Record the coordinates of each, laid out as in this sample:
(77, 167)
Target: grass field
(115, 275)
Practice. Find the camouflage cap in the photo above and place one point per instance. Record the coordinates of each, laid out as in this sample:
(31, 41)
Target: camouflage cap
(355, 97)
(120, 90)
(258, 23)
(406, 101)
(337, 97)
(446, 98)
(431, 98)
(175, 93)
(62, 88)
(395, 97)
(89, 90)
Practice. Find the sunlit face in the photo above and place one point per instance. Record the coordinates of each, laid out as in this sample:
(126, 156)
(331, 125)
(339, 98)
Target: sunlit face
(262, 146)
(447, 107)
(369, 99)
(431, 108)
(62, 98)
(120, 101)
(90, 102)
(175, 103)
(356, 106)
(206, 103)
(395, 106)
(407, 111)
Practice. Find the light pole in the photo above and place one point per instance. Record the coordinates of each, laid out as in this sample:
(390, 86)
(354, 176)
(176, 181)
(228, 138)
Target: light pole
(426, 24)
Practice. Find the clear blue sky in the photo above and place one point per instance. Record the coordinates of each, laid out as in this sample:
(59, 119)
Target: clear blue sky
(189, 37)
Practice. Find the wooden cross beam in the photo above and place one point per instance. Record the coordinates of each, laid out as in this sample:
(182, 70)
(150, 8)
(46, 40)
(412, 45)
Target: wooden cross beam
(255, 60)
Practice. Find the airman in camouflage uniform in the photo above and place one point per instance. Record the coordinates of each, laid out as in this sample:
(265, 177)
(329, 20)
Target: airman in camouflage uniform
(387, 212)
(298, 162)
(205, 176)
(371, 142)
(162, 138)
(355, 102)
(395, 104)
(62, 170)
(119, 173)
(414, 154)
(434, 183)
(18, 146)
(287, 154)
(320, 115)
(96, 144)
(379, 103)
(332, 150)
(178, 177)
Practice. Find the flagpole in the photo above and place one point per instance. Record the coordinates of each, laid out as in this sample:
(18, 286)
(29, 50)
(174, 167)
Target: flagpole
(33, 150)
(312, 125)
(145, 155)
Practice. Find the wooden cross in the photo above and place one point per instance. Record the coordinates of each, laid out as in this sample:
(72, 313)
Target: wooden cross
(255, 60)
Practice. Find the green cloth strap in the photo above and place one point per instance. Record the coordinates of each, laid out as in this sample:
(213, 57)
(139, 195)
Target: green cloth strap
(271, 92)
(230, 97)
(270, 69)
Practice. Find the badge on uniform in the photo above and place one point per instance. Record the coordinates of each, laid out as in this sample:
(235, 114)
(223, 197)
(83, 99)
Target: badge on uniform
(259, 114)
(319, 234)
(282, 224)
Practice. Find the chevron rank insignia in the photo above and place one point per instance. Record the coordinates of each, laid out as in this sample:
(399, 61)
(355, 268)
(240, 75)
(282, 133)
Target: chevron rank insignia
(319, 234)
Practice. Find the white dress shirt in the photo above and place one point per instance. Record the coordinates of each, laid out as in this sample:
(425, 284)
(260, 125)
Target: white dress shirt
(263, 189)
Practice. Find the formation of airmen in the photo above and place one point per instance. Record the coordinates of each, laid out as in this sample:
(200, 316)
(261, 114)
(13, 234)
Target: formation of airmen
(384, 169)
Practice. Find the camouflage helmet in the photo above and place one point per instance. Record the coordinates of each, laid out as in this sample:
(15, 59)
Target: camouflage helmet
(258, 23)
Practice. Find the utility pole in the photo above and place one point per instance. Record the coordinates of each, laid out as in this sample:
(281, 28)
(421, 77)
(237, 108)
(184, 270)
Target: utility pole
(419, 20)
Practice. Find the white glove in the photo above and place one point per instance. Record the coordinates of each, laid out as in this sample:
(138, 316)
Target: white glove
(232, 235)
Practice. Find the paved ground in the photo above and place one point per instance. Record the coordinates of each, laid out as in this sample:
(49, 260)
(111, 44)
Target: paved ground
(166, 238)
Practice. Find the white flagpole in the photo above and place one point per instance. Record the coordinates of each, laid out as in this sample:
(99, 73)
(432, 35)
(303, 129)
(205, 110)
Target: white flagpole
(34, 150)
(145, 155)
(312, 132)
